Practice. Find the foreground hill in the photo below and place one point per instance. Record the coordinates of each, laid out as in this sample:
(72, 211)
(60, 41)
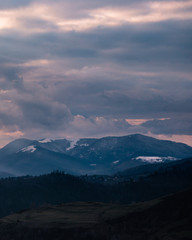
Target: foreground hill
(107, 155)
(24, 192)
(166, 218)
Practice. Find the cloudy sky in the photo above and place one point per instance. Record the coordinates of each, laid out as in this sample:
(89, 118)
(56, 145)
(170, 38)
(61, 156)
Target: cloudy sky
(84, 68)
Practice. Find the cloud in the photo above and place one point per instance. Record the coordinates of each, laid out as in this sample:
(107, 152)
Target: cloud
(83, 16)
(87, 66)
(178, 125)
(43, 113)
(10, 78)
(96, 126)
(9, 4)
(6, 136)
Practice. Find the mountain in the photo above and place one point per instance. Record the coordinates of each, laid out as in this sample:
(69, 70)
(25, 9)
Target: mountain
(106, 155)
(120, 153)
(35, 160)
(164, 218)
(15, 146)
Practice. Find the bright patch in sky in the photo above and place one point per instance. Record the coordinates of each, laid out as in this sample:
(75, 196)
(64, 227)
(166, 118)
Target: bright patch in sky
(137, 121)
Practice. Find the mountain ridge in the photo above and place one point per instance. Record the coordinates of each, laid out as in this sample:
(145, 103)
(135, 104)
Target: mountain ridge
(107, 155)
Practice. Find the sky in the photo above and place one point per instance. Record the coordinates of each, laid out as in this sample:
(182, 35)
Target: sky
(95, 68)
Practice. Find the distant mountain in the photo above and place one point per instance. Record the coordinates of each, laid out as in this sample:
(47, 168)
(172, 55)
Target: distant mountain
(35, 160)
(120, 153)
(106, 155)
(15, 146)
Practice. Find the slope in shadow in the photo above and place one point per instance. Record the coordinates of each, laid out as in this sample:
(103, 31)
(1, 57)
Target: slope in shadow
(166, 218)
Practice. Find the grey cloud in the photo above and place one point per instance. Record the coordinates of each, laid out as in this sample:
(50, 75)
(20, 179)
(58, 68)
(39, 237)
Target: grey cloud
(9, 120)
(162, 45)
(97, 126)
(125, 97)
(10, 78)
(165, 45)
(32, 109)
(43, 113)
(37, 22)
(14, 3)
(177, 125)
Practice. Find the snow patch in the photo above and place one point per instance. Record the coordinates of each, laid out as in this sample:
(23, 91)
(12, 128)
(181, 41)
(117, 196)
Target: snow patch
(28, 149)
(154, 159)
(84, 145)
(46, 140)
(115, 162)
(149, 159)
(171, 158)
(73, 143)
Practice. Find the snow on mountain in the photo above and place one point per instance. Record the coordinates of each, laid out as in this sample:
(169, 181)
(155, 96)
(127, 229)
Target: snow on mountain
(115, 162)
(46, 140)
(154, 159)
(28, 149)
(84, 145)
(73, 143)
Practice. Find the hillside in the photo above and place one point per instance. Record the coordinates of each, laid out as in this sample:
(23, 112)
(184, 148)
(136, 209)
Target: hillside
(24, 192)
(166, 218)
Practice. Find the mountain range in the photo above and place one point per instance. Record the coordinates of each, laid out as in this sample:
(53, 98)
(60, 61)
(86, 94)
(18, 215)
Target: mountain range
(107, 155)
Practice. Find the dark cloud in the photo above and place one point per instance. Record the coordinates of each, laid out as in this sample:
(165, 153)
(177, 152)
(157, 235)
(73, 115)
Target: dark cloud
(165, 45)
(127, 97)
(42, 112)
(162, 45)
(10, 78)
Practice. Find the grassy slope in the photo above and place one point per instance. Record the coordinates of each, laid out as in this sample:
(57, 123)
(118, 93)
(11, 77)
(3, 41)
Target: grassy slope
(166, 218)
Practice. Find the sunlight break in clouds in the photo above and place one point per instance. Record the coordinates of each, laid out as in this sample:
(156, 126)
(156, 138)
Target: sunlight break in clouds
(6, 137)
(136, 122)
(36, 63)
(93, 18)
(187, 139)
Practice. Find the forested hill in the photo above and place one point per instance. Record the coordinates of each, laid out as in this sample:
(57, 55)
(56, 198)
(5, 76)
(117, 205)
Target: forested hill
(27, 192)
